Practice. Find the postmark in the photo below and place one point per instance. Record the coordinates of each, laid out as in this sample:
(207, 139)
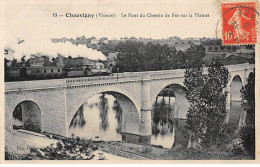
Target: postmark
(239, 23)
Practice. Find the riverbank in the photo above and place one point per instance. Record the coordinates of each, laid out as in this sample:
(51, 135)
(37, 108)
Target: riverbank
(156, 153)
(30, 147)
(33, 146)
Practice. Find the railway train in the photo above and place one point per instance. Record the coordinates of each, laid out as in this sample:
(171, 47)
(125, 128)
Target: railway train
(52, 72)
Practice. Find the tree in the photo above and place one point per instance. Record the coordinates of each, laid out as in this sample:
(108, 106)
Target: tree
(210, 48)
(129, 56)
(207, 99)
(215, 102)
(14, 63)
(136, 56)
(133, 38)
(228, 47)
(194, 55)
(6, 68)
(216, 48)
(46, 61)
(103, 48)
(234, 48)
(247, 132)
(181, 60)
(194, 82)
(23, 59)
(222, 47)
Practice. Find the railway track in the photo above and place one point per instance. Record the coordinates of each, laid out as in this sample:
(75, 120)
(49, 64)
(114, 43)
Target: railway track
(124, 154)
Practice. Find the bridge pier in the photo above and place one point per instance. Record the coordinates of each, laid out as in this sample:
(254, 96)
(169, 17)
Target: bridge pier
(242, 116)
(145, 129)
(228, 107)
(242, 119)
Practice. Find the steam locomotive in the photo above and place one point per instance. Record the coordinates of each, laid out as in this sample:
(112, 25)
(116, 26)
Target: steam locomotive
(52, 72)
(87, 71)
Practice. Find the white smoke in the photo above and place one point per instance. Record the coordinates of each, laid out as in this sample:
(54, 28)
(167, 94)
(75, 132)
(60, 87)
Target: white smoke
(45, 47)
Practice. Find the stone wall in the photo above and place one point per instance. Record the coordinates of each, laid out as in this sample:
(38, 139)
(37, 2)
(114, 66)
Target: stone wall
(51, 103)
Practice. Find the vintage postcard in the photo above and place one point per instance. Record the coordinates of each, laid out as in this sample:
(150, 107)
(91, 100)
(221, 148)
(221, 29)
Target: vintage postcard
(130, 81)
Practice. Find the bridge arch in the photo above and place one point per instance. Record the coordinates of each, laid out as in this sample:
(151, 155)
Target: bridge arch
(235, 87)
(158, 86)
(176, 113)
(237, 77)
(236, 108)
(27, 115)
(129, 105)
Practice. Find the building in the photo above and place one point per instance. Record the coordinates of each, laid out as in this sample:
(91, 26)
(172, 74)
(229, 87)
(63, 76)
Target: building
(36, 61)
(94, 41)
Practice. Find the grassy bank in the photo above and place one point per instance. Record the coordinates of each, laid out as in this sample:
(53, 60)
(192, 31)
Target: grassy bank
(155, 153)
(20, 146)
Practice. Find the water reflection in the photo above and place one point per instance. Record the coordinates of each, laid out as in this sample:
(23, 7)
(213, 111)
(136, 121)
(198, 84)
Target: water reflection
(78, 119)
(235, 114)
(163, 121)
(103, 112)
(103, 119)
(102, 116)
(118, 116)
(17, 116)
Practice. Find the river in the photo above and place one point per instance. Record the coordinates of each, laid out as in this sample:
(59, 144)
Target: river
(101, 119)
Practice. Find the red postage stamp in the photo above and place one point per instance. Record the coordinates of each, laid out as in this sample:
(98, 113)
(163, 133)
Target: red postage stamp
(239, 23)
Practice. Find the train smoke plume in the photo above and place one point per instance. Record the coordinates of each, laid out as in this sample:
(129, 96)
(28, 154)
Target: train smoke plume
(22, 47)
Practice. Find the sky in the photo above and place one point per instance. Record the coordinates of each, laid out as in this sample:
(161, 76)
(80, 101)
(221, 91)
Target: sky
(36, 24)
(36, 20)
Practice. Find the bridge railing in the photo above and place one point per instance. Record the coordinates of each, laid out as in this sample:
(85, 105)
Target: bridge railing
(36, 84)
(116, 77)
(167, 74)
(129, 76)
(240, 67)
(111, 78)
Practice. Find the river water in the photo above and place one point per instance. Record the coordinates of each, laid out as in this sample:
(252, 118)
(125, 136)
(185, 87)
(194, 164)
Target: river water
(102, 119)
(235, 114)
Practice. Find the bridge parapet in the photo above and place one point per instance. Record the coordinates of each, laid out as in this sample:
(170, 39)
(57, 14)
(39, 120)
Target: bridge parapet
(236, 67)
(36, 84)
(116, 77)
(167, 74)
(240, 67)
(121, 77)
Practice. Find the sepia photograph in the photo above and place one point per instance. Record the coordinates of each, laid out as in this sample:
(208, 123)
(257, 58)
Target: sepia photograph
(123, 81)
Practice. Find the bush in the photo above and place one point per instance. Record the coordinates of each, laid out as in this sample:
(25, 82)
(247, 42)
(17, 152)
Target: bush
(216, 48)
(145, 149)
(248, 139)
(247, 132)
(10, 155)
(210, 48)
(222, 47)
(227, 134)
(236, 146)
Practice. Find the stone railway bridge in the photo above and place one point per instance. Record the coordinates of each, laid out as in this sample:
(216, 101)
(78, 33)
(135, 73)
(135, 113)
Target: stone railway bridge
(51, 104)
